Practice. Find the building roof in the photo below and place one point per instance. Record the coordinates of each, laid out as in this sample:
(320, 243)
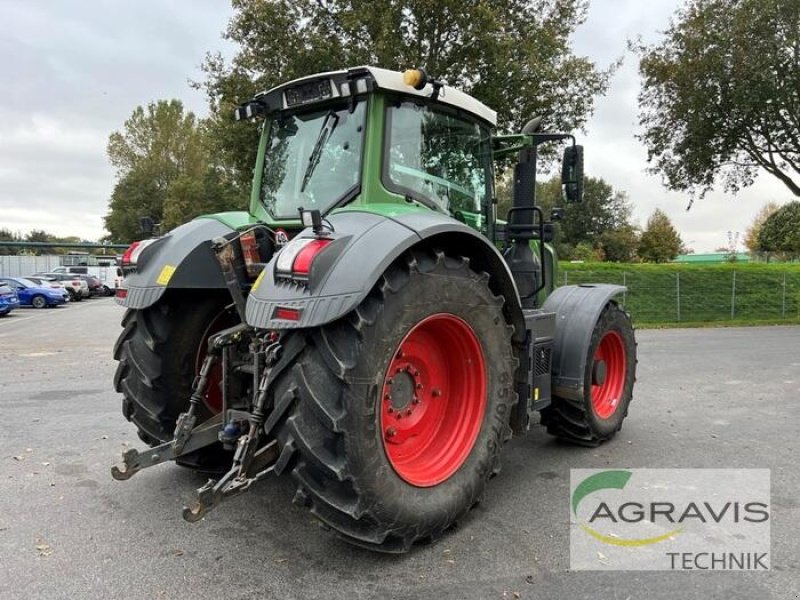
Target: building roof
(711, 258)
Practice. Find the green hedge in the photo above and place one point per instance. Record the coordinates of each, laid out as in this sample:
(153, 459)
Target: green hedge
(696, 294)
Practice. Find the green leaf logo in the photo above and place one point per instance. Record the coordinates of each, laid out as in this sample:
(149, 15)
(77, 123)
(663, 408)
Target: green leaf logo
(616, 480)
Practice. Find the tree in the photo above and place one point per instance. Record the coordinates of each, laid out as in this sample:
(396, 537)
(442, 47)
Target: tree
(621, 244)
(165, 170)
(720, 95)
(660, 241)
(601, 221)
(752, 232)
(781, 231)
(603, 210)
(514, 56)
(7, 235)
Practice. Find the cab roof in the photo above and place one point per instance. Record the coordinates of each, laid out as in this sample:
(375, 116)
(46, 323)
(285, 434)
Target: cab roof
(360, 80)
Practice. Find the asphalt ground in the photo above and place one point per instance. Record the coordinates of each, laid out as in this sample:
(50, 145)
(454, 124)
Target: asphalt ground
(705, 398)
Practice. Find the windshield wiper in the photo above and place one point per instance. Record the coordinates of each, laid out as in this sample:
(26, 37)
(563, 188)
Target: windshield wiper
(331, 119)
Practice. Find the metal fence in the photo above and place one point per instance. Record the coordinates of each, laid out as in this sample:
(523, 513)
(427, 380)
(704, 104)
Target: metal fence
(701, 295)
(21, 265)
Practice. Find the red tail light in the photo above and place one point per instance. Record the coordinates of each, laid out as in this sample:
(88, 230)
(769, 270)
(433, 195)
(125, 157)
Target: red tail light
(297, 257)
(122, 293)
(126, 257)
(252, 257)
(302, 263)
(131, 255)
(286, 314)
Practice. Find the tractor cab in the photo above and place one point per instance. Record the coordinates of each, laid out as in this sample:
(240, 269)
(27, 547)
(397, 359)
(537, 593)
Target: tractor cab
(370, 136)
(383, 141)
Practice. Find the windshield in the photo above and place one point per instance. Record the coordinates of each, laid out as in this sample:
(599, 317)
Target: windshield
(313, 160)
(437, 158)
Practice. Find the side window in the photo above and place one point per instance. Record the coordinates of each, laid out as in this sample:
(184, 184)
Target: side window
(437, 155)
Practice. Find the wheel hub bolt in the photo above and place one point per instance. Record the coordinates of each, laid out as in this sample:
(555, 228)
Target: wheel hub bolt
(391, 432)
(436, 392)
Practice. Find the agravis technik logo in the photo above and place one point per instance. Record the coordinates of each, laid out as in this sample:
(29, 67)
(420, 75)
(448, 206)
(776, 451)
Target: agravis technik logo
(612, 480)
(672, 519)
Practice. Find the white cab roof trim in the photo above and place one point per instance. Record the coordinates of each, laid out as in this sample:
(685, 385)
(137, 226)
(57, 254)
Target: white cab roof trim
(393, 80)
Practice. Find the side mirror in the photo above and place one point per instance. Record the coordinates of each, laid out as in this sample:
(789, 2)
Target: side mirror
(572, 173)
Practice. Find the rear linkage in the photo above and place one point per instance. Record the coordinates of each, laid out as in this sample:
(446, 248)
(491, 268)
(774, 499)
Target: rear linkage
(254, 457)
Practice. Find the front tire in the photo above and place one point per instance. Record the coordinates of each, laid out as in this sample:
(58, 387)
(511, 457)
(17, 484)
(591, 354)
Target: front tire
(608, 385)
(159, 352)
(431, 331)
(39, 302)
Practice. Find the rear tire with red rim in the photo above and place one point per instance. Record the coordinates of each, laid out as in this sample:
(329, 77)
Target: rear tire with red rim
(608, 384)
(160, 351)
(397, 413)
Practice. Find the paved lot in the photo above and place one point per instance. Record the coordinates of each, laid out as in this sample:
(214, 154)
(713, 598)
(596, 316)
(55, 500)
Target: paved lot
(705, 398)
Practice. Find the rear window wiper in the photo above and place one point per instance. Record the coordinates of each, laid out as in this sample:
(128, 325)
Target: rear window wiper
(331, 120)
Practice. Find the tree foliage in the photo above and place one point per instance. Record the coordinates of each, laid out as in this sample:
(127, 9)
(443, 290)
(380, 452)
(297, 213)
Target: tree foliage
(721, 95)
(514, 56)
(781, 231)
(601, 221)
(165, 170)
(599, 227)
(660, 241)
(753, 231)
(38, 235)
(620, 244)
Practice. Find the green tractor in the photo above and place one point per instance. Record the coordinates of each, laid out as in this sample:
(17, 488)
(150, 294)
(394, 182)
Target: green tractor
(370, 327)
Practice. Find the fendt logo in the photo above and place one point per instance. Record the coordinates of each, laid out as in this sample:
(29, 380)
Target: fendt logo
(670, 519)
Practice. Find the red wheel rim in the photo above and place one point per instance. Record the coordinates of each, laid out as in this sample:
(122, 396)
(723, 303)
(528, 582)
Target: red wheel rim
(433, 400)
(213, 397)
(609, 369)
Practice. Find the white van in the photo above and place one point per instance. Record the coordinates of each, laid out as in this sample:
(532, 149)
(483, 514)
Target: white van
(111, 276)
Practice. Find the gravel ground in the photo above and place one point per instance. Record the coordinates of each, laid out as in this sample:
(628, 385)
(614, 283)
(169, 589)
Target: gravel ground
(705, 398)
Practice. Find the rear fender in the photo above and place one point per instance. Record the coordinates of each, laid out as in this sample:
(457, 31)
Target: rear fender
(365, 245)
(577, 309)
(183, 258)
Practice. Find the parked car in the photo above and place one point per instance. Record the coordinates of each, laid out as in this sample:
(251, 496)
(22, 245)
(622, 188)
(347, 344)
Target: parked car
(110, 275)
(79, 288)
(31, 294)
(53, 283)
(8, 300)
(95, 285)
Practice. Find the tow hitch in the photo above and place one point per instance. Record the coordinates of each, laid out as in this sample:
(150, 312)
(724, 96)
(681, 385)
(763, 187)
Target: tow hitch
(254, 457)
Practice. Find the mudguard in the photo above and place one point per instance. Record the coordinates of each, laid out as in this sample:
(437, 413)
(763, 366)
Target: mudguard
(577, 309)
(182, 258)
(364, 246)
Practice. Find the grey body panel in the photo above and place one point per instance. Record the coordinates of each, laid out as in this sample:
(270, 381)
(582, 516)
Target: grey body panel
(367, 243)
(188, 249)
(577, 309)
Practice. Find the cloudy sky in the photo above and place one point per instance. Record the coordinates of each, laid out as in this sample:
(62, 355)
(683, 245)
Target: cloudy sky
(73, 72)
